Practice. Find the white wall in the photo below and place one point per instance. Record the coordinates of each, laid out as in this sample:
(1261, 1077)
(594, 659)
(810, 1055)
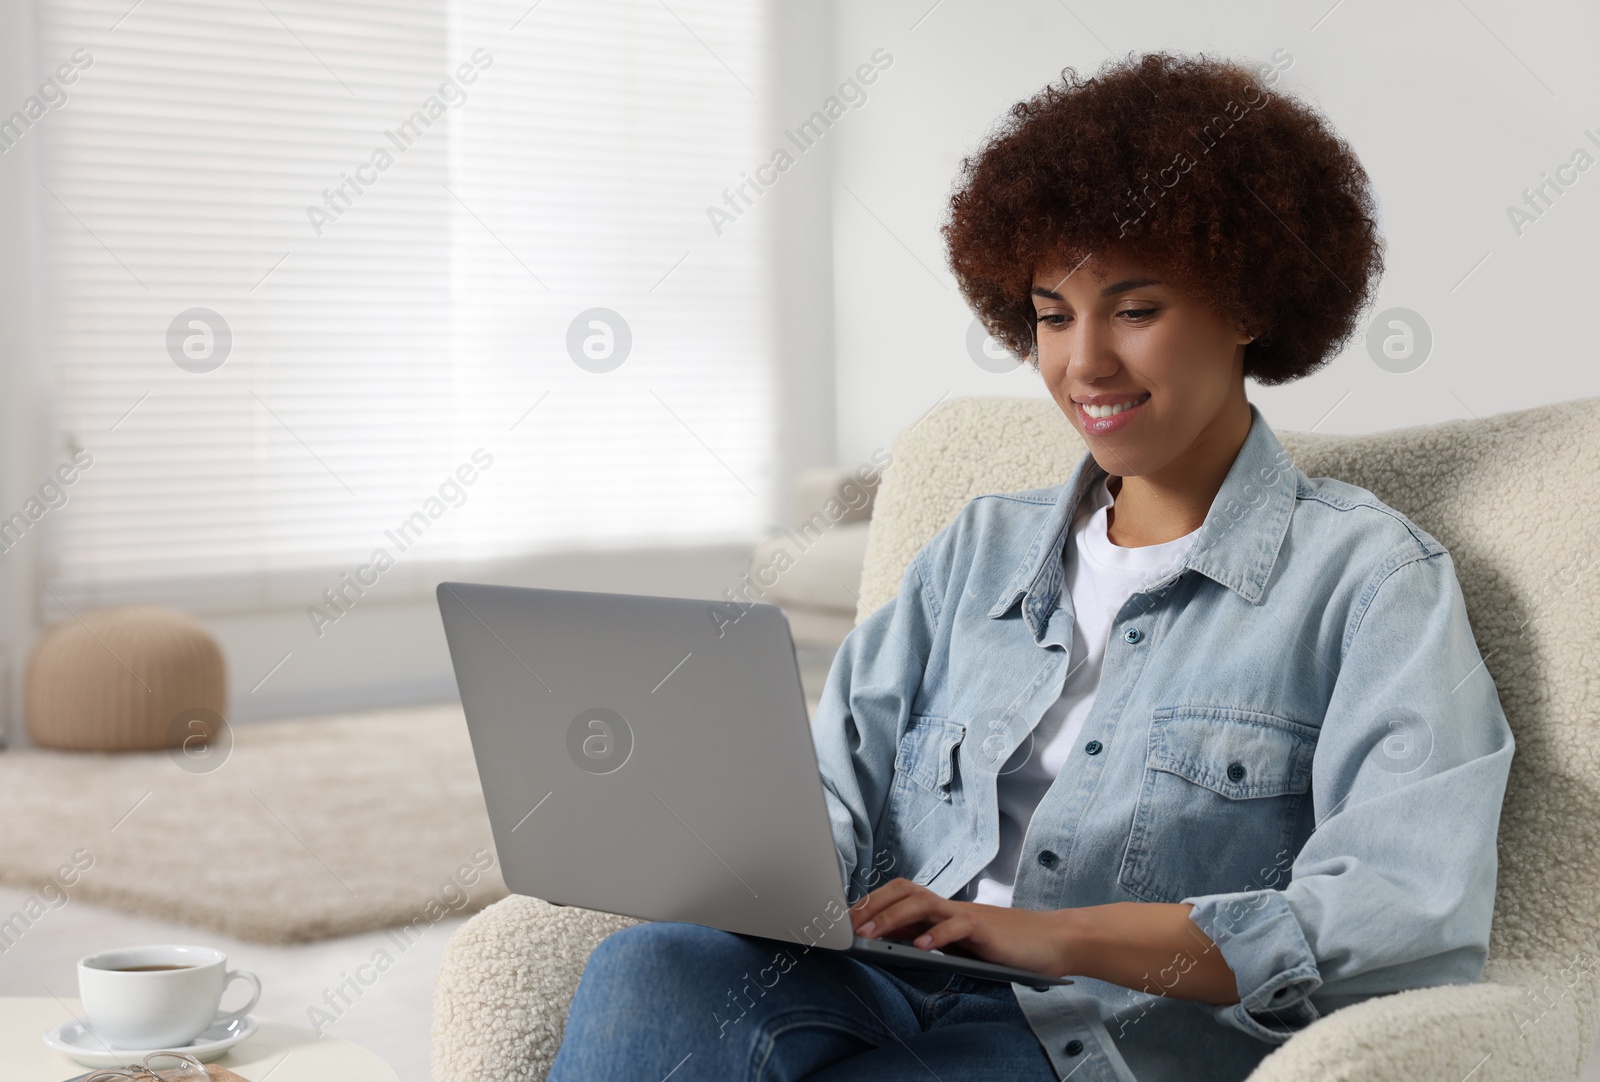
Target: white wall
(1452, 119)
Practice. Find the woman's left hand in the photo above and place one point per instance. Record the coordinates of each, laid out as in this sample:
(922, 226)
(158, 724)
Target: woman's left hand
(1025, 938)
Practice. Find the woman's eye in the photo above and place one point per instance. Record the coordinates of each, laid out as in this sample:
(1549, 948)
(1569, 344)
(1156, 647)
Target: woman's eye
(1136, 315)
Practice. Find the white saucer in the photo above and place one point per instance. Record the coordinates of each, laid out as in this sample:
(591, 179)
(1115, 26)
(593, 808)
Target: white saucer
(80, 1044)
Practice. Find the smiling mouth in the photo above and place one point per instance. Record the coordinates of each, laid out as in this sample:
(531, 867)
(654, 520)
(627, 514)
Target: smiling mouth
(1100, 413)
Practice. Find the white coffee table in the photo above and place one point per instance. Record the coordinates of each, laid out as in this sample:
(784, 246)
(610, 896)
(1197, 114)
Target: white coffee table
(291, 1053)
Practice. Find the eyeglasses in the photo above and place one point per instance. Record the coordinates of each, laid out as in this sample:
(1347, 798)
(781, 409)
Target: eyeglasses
(160, 1066)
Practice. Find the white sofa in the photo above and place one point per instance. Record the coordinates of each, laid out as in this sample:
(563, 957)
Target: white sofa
(1515, 497)
(813, 570)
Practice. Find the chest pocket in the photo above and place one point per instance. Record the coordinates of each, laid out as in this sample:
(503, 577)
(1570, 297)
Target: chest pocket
(1218, 804)
(922, 804)
(927, 754)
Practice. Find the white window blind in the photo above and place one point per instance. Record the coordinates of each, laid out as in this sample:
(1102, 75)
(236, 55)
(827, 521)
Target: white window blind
(399, 377)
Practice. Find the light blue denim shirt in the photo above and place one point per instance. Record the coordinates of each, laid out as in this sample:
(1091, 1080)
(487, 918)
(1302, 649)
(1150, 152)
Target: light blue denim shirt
(1294, 731)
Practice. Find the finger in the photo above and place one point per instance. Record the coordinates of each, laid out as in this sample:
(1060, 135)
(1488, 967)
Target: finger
(866, 899)
(874, 903)
(948, 931)
(870, 922)
(869, 905)
(923, 906)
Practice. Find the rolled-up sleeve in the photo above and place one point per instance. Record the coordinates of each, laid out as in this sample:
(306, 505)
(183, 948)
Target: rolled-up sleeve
(1394, 888)
(865, 706)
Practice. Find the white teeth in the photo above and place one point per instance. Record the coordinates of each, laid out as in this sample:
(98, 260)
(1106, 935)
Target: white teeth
(1099, 412)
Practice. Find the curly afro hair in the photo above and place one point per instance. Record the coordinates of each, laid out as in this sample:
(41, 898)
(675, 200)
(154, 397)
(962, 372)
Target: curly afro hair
(1243, 198)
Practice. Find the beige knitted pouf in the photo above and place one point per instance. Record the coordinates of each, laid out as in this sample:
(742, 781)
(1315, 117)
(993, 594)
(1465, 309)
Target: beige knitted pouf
(133, 678)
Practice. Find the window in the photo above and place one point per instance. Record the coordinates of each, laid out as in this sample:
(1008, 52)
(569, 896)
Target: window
(330, 280)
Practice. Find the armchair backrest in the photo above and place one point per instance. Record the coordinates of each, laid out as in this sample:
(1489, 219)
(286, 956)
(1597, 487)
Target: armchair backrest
(1515, 497)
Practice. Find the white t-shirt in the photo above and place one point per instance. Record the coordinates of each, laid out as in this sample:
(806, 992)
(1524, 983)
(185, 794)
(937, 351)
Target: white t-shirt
(1100, 576)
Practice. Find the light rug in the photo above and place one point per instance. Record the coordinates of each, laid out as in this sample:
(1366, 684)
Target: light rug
(309, 828)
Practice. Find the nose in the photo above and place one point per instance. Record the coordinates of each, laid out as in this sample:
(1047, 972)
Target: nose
(1090, 353)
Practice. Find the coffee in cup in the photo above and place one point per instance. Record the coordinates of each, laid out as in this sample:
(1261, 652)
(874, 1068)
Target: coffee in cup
(157, 997)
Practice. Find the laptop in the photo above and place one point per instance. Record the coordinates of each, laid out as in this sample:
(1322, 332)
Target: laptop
(652, 757)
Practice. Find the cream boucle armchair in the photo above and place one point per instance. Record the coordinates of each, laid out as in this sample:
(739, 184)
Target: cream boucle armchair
(1516, 499)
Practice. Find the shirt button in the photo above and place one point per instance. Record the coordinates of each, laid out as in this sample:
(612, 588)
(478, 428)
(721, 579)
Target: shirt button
(1047, 858)
(1074, 1047)
(1093, 747)
(1133, 634)
(1235, 771)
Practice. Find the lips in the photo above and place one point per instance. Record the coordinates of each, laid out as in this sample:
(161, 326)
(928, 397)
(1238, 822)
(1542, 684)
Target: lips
(1099, 426)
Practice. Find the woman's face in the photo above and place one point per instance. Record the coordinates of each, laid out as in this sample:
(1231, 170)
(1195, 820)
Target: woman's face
(1109, 332)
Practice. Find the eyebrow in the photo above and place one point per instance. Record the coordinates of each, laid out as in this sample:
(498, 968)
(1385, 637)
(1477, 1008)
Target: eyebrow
(1109, 291)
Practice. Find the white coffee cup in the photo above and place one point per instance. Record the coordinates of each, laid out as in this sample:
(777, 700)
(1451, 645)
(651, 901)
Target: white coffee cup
(157, 997)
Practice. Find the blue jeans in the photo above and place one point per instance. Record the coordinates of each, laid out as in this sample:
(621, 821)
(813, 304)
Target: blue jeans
(674, 999)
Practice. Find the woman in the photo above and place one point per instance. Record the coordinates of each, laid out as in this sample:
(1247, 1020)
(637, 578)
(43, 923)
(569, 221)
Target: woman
(1208, 735)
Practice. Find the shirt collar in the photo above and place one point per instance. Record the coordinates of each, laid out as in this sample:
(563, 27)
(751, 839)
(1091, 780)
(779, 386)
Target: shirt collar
(1236, 546)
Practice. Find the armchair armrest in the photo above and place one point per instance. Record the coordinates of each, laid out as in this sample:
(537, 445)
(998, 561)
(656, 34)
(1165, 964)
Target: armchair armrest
(1487, 1031)
(504, 985)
